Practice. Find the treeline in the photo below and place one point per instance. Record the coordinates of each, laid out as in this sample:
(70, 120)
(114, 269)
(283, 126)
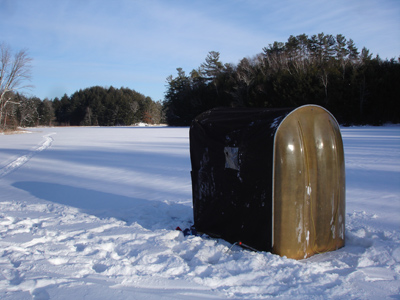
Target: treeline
(106, 107)
(94, 106)
(322, 69)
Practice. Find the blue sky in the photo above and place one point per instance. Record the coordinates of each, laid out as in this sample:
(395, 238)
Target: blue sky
(77, 44)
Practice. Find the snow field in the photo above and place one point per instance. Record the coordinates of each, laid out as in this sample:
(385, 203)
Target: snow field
(90, 213)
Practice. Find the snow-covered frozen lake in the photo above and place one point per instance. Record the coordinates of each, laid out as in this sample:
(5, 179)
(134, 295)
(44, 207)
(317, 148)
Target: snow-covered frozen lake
(90, 213)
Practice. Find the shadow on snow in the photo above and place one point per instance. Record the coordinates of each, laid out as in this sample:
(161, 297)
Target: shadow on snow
(149, 214)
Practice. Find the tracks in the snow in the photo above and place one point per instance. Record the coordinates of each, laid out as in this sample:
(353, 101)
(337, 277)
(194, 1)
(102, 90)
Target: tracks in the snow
(18, 162)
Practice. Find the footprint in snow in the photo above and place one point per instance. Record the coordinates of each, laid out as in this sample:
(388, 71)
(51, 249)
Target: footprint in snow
(80, 247)
(99, 268)
(40, 294)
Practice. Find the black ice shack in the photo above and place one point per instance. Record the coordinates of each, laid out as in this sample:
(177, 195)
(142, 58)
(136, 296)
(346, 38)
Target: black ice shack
(272, 179)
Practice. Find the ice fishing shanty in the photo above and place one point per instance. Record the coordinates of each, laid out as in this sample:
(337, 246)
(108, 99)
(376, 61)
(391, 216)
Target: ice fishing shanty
(273, 179)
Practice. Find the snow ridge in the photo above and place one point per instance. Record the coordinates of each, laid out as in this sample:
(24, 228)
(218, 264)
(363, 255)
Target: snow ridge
(46, 143)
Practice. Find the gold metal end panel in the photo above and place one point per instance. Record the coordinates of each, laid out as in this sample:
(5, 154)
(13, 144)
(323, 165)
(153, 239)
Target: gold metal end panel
(309, 184)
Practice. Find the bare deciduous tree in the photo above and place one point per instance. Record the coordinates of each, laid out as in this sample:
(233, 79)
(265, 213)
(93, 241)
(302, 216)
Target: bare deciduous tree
(15, 70)
(29, 111)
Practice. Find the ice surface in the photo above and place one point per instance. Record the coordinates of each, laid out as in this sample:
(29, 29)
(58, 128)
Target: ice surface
(90, 213)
